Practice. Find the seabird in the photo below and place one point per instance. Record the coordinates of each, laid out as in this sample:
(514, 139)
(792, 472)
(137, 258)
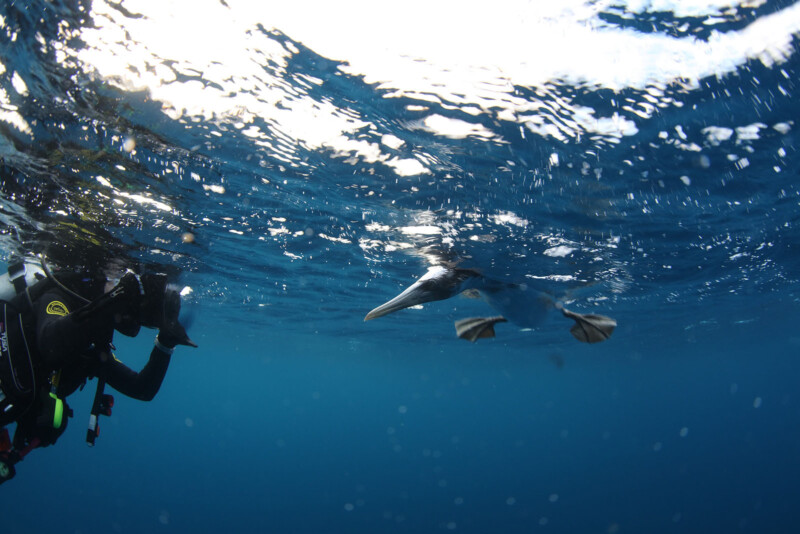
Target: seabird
(520, 304)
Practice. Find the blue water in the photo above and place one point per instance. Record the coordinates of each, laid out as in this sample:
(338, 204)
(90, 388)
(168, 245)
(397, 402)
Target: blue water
(295, 180)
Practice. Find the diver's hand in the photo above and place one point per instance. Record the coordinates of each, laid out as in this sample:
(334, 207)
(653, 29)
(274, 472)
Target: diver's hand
(175, 336)
(171, 331)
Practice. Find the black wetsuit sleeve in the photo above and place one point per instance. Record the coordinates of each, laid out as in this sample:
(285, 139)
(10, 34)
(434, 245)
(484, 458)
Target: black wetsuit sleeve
(60, 337)
(142, 385)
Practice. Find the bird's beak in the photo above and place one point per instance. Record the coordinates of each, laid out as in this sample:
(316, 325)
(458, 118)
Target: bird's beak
(413, 295)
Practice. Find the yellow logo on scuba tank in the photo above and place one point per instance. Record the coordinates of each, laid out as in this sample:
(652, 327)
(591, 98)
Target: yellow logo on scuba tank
(57, 308)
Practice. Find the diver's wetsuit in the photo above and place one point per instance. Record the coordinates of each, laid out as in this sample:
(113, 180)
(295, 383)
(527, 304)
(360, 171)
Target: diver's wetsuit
(82, 349)
(53, 339)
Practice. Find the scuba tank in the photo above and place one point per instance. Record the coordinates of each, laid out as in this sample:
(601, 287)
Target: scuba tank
(18, 382)
(21, 274)
(20, 385)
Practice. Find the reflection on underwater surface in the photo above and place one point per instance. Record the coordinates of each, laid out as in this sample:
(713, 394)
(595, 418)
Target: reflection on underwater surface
(296, 164)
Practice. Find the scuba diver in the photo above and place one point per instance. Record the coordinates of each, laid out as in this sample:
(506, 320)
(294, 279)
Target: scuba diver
(56, 332)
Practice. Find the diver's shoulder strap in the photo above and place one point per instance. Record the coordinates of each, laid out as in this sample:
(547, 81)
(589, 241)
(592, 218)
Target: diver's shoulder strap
(16, 275)
(16, 284)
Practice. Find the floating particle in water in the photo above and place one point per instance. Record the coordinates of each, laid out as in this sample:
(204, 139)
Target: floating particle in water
(511, 501)
(451, 525)
(684, 432)
(553, 497)
(349, 507)
(557, 360)
(657, 446)
(402, 409)
(129, 145)
(189, 422)
(458, 501)
(757, 402)
(163, 517)
(187, 237)
(686, 180)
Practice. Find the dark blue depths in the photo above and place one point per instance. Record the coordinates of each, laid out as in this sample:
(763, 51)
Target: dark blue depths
(336, 435)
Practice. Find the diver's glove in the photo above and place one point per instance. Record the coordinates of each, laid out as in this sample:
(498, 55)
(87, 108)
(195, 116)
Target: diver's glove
(160, 309)
(172, 331)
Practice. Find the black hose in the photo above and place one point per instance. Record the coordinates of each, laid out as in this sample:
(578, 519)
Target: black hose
(59, 284)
